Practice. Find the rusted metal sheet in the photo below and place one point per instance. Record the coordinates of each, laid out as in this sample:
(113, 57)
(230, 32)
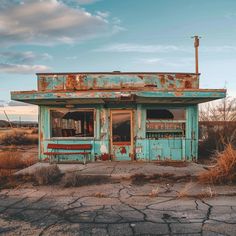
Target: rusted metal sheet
(92, 81)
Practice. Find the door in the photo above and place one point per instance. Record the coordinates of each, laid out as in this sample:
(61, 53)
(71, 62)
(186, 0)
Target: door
(121, 134)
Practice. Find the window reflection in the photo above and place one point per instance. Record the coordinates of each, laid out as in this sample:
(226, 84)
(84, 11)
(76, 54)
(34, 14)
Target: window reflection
(72, 123)
(121, 127)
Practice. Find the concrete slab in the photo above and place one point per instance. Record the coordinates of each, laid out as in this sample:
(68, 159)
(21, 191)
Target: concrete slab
(121, 169)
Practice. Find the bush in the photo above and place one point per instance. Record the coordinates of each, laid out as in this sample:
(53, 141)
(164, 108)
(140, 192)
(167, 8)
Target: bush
(225, 169)
(18, 138)
(47, 175)
(11, 160)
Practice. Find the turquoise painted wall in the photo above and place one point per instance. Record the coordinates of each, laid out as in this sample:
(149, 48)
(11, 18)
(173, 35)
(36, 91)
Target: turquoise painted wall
(144, 148)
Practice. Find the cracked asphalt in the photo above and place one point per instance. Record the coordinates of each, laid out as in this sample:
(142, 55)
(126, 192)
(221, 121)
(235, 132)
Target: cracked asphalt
(120, 208)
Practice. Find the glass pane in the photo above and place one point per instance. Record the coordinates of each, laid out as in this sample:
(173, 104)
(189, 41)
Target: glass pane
(121, 127)
(72, 123)
(166, 114)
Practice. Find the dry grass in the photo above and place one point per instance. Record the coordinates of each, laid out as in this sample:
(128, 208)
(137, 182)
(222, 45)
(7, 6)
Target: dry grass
(141, 179)
(207, 192)
(47, 175)
(18, 138)
(185, 191)
(11, 160)
(224, 170)
(100, 195)
(188, 191)
(154, 192)
(76, 180)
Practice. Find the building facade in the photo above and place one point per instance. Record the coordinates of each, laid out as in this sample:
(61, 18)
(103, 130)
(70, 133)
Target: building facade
(124, 116)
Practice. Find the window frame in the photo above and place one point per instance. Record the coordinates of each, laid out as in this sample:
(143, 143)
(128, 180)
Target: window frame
(72, 110)
(167, 119)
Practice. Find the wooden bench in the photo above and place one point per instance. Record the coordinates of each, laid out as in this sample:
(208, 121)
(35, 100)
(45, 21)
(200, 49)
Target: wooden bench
(60, 149)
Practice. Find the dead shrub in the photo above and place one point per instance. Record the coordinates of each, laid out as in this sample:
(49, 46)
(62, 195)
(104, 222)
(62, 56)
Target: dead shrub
(224, 170)
(18, 138)
(76, 180)
(208, 192)
(184, 192)
(47, 175)
(34, 131)
(99, 195)
(11, 160)
(154, 192)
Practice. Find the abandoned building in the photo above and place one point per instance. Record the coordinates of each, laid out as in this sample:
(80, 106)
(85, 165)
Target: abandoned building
(119, 116)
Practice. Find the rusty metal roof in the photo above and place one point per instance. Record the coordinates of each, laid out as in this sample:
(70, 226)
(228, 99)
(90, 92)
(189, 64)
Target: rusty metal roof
(115, 72)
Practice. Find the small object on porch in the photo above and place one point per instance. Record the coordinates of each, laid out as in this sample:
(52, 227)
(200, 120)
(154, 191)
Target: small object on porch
(105, 157)
(60, 149)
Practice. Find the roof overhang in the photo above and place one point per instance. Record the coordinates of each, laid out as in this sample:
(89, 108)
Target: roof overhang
(97, 97)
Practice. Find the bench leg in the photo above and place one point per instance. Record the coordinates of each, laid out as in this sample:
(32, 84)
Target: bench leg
(84, 157)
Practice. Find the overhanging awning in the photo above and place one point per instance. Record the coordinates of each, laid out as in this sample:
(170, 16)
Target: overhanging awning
(97, 97)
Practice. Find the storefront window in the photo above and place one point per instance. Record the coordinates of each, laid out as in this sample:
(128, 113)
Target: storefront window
(165, 123)
(72, 123)
(166, 114)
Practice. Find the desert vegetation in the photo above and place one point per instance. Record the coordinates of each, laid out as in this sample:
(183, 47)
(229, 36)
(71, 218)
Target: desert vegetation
(75, 179)
(18, 137)
(218, 126)
(224, 170)
(46, 175)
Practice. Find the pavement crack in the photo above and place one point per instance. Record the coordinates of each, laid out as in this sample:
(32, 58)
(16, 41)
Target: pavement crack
(208, 214)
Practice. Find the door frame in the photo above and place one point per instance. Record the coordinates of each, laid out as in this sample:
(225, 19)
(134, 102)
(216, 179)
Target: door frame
(131, 112)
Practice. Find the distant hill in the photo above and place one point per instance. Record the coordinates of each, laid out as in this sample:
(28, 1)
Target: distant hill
(4, 123)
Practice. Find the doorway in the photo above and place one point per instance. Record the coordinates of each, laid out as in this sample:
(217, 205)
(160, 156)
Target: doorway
(121, 138)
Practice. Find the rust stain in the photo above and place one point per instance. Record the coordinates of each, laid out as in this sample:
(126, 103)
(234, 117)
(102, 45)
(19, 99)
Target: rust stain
(178, 94)
(81, 85)
(162, 80)
(182, 76)
(171, 86)
(170, 77)
(123, 150)
(71, 82)
(188, 84)
(41, 141)
(43, 84)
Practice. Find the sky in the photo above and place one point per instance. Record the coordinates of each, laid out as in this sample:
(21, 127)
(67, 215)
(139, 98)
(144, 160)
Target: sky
(107, 35)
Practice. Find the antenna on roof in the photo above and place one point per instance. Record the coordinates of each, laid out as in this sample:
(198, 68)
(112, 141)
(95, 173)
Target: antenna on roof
(196, 45)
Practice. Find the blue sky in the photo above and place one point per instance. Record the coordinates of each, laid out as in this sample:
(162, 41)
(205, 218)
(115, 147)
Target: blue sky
(107, 35)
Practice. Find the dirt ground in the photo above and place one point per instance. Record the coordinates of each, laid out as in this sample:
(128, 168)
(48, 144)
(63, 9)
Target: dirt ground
(123, 205)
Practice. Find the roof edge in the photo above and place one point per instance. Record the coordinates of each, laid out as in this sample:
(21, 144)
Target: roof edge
(115, 73)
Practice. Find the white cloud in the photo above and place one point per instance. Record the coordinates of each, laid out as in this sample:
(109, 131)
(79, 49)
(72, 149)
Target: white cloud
(104, 14)
(22, 62)
(167, 62)
(22, 57)
(50, 22)
(79, 2)
(142, 48)
(222, 48)
(23, 69)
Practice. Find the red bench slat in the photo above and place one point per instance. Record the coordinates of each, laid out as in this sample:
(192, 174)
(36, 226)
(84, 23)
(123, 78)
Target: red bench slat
(69, 146)
(65, 153)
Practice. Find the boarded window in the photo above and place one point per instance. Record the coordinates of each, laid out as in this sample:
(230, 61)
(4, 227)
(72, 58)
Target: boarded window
(72, 123)
(166, 114)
